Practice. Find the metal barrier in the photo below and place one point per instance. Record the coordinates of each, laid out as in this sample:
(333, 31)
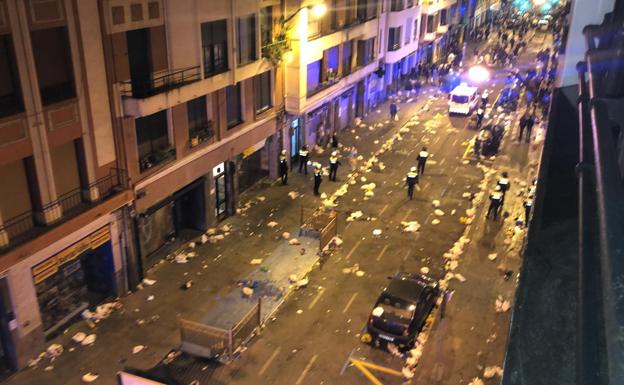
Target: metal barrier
(208, 341)
(328, 232)
(318, 223)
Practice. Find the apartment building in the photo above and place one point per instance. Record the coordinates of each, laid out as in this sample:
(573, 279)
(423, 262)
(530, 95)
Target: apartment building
(438, 29)
(198, 107)
(64, 190)
(402, 20)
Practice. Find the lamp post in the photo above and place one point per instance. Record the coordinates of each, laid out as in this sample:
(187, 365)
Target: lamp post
(318, 10)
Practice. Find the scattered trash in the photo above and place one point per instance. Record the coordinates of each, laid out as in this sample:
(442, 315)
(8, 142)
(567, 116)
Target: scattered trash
(492, 256)
(491, 371)
(359, 273)
(138, 349)
(89, 377)
(410, 227)
(438, 212)
(148, 282)
(476, 381)
(247, 291)
(79, 337)
(354, 216)
(272, 224)
(294, 242)
(150, 298)
(502, 305)
(435, 221)
(285, 235)
(256, 261)
(299, 311)
(89, 340)
(54, 351)
(191, 245)
(352, 269)
(436, 203)
(424, 270)
(293, 194)
(377, 232)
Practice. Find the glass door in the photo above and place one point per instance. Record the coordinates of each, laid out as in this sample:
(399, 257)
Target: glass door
(220, 191)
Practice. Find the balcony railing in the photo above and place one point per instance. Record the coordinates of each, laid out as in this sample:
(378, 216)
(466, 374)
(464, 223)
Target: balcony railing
(323, 86)
(155, 158)
(28, 225)
(161, 81)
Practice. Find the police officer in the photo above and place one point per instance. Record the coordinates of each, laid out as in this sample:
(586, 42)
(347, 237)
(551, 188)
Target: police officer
(283, 167)
(504, 184)
(304, 156)
(333, 165)
(484, 99)
(318, 178)
(480, 115)
(422, 160)
(528, 205)
(411, 180)
(496, 198)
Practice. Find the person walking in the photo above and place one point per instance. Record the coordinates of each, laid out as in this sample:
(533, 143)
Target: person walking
(504, 185)
(304, 156)
(496, 198)
(334, 141)
(422, 160)
(318, 178)
(283, 167)
(411, 180)
(528, 205)
(353, 159)
(480, 115)
(485, 97)
(333, 166)
(394, 111)
(478, 143)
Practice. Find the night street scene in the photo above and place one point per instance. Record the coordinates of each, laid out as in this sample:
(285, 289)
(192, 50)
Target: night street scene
(311, 192)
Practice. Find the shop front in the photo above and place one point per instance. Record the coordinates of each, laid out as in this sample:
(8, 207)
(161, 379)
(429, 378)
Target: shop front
(76, 278)
(252, 165)
(181, 214)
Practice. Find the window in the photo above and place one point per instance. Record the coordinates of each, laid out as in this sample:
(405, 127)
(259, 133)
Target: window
(10, 91)
(246, 39)
(214, 47)
(266, 26)
(408, 30)
(366, 9)
(262, 92)
(365, 51)
(443, 16)
(396, 5)
(331, 58)
(53, 63)
(347, 57)
(430, 24)
(118, 15)
(314, 76)
(153, 140)
(136, 12)
(153, 10)
(394, 39)
(200, 128)
(233, 101)
(416, 30)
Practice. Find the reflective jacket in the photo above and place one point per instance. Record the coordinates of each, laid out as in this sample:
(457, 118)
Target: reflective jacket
(412, 178)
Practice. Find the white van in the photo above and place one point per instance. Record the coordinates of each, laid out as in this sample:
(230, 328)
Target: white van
(463, 99)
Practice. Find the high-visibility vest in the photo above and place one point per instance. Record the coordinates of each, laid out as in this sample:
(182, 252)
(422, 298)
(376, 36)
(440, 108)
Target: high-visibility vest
(303, 153)
(496, 196)
(333, 159)
(423, 155)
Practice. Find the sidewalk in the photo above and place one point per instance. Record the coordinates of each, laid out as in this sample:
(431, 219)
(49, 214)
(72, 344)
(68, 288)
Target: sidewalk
(148, 316)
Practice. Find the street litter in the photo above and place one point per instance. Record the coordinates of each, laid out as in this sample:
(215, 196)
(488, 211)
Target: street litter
(150, 298)
(256, 261)
(466, 195)
(286, 235)
(323, 196)
(355, 215)
(294, 242)
(491, 371)
(424, 270)
(181, 258)
(435, 221)
(299, 311)
(476, 381)
(187, 285)
(191, 245)
(138, 349)
(203, 239)
(492, 256)
(272, 224)
(148, 282)
(293, 194)
(502, 305)
(54, 351)
(377, 232)
(438, 212)
(359, 273)
(352, 269)
(247, 291)
(410, 227)
(436, 203)
(89, 377)
(89, 340)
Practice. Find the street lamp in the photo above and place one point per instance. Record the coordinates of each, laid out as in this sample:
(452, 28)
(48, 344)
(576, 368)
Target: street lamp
(318, 10)
(478, 74)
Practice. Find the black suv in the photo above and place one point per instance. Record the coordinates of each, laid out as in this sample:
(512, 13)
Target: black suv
(402, 309)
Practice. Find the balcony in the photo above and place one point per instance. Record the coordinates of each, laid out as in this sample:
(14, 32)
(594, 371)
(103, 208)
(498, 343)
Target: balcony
(200, 135)
(29, 225)
(155, 158)
(571, 292)
(332, 79)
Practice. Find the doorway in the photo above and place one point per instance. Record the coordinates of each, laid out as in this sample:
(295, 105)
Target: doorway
(221, 191)
(294, 138)
(139, 59)
(359, 99)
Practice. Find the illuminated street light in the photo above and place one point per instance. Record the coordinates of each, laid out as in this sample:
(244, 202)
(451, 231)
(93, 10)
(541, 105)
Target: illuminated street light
(319, 10)
(478, 74)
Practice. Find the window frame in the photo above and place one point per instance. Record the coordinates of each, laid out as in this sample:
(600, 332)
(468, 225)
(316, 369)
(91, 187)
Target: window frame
(215, 47)
(260, 89)
(251, 54)
(230, 123)
(394, 38)
(17, 100)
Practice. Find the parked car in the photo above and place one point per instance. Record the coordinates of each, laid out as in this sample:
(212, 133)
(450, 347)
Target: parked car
(402, 309)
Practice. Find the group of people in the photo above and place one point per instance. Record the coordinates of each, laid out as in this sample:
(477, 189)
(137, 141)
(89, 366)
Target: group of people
(497, 198)
(413, 176)
(304, 161)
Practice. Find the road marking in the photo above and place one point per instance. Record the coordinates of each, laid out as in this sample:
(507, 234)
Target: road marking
(353, 249)
(442, 161)
(382, 253)
(454, 142)
(468, 148)
(383, 209)
(315, 300)
(407, 214)
(437, 139)
(347, 226)
(349, 303)
(407, 254)
(306, 370)
(269, 361)
(364, 365)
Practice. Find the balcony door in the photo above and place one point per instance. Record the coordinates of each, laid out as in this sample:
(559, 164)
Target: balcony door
(139, 59)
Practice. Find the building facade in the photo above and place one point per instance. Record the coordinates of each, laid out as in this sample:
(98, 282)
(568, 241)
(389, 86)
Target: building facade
(62, 232)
